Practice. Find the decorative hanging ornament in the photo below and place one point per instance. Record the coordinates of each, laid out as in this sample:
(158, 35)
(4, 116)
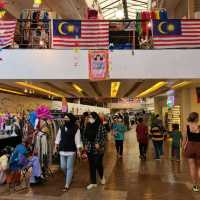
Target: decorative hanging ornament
(2, 9)
(37, 3)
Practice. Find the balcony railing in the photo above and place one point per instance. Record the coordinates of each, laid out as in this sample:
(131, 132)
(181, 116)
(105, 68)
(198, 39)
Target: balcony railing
(122, 35)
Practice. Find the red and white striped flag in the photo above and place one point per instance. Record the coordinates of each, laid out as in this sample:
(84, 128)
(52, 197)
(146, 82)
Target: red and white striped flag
(7, 32)
(85, 34)
(176, 34)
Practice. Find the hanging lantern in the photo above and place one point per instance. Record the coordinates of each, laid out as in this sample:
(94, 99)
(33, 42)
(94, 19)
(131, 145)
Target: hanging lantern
(2, 9)
(37, 3)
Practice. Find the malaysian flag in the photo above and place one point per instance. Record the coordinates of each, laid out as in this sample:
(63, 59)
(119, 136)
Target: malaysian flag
(85, 34)
(7, 32)
(174, 33)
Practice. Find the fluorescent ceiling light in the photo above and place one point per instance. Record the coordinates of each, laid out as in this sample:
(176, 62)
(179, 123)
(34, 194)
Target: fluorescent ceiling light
(11, 91)
(34, 87)
(114, 89)
(77, 88)
(152, 89)
(182, 84)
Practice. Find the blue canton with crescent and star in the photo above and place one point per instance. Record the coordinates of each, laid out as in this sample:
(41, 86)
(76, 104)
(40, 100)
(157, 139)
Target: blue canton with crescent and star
(167, 27)
(67, 28)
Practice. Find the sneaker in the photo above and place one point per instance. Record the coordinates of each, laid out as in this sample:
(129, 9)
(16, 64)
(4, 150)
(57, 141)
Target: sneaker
(157, 159)
(91, 186)
(103, 181)
(178, 160)
(195, 188)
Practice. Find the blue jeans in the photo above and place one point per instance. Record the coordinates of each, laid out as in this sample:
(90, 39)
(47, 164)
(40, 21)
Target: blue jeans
(158, 145)
(176, 152)
(67, 165)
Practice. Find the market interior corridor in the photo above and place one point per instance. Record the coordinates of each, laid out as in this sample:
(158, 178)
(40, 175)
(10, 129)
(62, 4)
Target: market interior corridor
(127, 179)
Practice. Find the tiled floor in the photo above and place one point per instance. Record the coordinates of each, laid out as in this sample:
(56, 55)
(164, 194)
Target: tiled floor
(127, 179)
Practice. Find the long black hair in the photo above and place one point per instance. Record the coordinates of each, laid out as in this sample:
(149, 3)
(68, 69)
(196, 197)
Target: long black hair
(92, 129)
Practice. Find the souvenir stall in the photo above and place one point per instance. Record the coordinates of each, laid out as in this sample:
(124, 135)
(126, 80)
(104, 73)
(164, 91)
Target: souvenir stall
(144, 26)
(10, 130)
(34, 28)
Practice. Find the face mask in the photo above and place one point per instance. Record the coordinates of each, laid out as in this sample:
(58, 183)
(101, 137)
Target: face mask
(120, 120)
(91, 120)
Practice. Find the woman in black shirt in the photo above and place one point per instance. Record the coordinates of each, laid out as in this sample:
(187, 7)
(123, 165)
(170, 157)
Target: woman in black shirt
(192, 149)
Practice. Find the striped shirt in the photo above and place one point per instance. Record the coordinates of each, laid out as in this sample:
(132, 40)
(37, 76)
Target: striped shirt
(157, 134)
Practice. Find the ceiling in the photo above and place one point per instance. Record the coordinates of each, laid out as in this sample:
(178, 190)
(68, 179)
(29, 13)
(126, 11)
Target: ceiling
(76, 9)
(71, 9)
(100, 90)
(110, 8)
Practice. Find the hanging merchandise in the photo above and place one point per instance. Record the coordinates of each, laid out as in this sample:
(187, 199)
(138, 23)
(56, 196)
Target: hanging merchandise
(43, 112)
(2, 9)
(163, 14)
(34, 28)
(92, 13)
(98, 64)
(144, 26)
(157, 14)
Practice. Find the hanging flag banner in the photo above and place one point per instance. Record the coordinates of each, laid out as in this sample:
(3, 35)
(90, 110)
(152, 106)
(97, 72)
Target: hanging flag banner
(98, 64)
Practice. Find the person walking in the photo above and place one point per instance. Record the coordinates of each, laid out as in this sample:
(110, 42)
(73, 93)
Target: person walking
(142, 138)
(68, 142)
(176, 142)
(94, 144)
(157, 139)
(192, 149)
(118, 130)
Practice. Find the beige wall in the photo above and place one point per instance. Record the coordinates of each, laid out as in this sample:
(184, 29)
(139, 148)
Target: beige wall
(14, 103)
(159, 103)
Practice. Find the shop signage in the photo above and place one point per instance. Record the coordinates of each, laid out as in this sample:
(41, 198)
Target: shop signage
(98, 64)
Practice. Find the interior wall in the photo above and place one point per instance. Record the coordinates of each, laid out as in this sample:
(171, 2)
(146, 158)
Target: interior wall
(159, 103)
(63, 64)
(195, 106)
(14, 103)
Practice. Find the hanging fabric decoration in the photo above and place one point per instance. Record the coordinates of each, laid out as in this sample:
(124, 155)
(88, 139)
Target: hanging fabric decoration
(98, 64)
(43, 112)
(163, 14)
(2, 9)
(92, 13)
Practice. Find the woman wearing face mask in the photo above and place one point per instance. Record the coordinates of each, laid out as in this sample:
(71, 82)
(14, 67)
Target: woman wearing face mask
(118, 131)
(68, 141)
(94, 143)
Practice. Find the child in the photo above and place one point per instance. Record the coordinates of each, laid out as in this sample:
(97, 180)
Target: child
(119, 129)
(176, 137)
